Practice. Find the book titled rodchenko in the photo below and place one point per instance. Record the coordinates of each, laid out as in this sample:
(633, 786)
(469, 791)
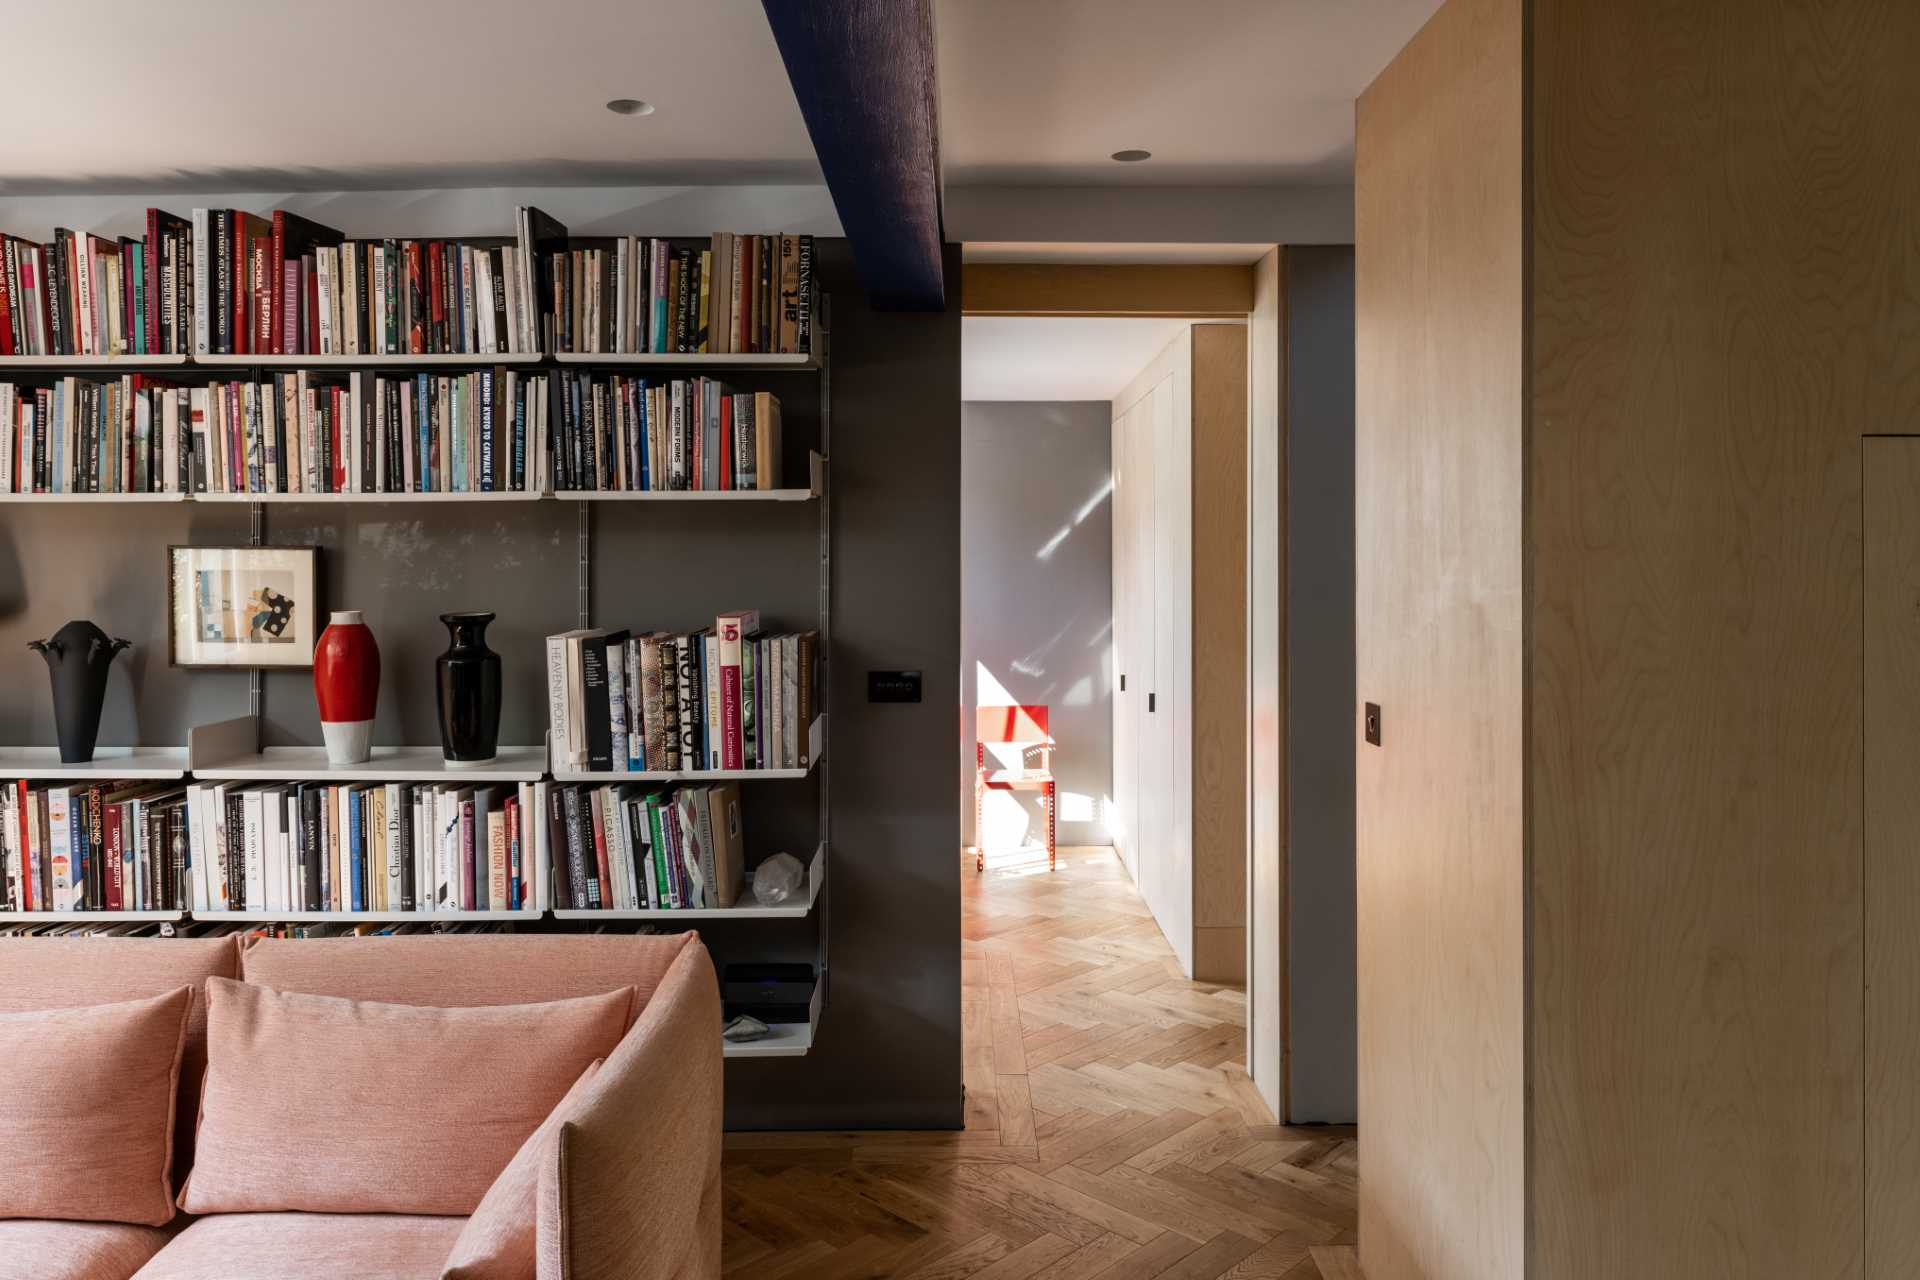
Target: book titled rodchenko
(733, 629)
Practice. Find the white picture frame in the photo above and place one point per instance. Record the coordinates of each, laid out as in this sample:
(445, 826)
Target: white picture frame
(242, 606)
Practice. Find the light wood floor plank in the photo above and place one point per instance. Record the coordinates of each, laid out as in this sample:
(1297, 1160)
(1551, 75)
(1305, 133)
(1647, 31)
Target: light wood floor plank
(1110, 1132)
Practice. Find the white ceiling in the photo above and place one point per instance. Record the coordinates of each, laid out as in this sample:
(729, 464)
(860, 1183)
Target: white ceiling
(1227, 92)
(408, 93)
(1038, 358)
(414, 92)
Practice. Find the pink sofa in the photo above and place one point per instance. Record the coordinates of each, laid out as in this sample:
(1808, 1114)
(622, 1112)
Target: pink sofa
(634, 1190)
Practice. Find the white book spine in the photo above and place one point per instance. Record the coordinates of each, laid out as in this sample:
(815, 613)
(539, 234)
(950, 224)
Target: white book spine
(510, 278)
(394, 865)
(254, 853)
(714, 722)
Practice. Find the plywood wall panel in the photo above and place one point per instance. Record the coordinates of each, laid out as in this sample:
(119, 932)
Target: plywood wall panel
(1219, 721)
(1725, 298)
(1891, 525)
(1438, 465)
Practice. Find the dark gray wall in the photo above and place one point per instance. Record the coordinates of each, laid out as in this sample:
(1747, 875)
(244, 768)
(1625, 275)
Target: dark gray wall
(889, 1044)
(1320, 682)
(1037, 477)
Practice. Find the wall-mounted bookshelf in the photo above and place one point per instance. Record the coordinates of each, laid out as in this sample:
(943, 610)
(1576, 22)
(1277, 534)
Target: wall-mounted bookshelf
(784, 1039)
(816, 750)
(132, 763)
(228, 752)
(746, 907)
(695, 360)
(91, 917)
(225, 751)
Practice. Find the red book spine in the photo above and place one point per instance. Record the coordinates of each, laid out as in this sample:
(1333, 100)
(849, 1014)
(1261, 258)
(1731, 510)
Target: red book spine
(131, 313)
(516, 874)
(287, 310)
(260, 263)
(416, 300)
(336, 435)
(27, 877)
(277, 339)
(242, 331)
(116, 848)
(6, 300)
(310, 330)
(732, 750)
(437, 289)
(600, 856)
(152, 249)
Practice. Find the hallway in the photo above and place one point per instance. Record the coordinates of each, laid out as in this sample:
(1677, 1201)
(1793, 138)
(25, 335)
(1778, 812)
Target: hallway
(1110, 1131)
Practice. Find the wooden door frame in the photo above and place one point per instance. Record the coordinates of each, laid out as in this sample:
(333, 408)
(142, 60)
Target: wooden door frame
(1255, 293)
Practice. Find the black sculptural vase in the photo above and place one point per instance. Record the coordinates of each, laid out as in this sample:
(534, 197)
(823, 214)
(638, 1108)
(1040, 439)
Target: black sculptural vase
(468, 684)
(78, 658)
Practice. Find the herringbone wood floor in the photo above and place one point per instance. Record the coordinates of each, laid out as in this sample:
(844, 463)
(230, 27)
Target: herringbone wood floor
(1110, 1130)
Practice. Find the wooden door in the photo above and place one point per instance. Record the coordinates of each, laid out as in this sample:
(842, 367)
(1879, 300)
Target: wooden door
(1128, 659)
(1891, 528)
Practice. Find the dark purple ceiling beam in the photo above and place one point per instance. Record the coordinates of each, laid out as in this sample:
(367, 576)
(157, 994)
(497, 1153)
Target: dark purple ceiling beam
(863, 71)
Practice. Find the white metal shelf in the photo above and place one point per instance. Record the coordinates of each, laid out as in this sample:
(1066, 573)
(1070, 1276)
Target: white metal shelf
(93, 917)
(107, 762)
(92, 497)
(785, 362)
(498, 495)
(224, 752)
(438, 359)
(93, 362)
(816, 748)
(783, 1039)
(744, 908)
(686, 495)
(367, 917)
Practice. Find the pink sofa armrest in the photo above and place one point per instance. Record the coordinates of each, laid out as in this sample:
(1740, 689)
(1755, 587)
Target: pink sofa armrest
(632, 1191)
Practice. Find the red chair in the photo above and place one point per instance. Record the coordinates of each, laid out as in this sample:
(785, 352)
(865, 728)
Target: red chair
(1026, 726)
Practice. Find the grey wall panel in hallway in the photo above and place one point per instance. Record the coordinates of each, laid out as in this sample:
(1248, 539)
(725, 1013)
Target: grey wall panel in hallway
(1037, 594)
(1320, 696)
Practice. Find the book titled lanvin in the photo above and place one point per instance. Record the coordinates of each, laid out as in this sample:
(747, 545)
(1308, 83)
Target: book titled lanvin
(732, 696)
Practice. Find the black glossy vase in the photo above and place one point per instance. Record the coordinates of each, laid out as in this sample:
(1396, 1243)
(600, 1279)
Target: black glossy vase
(468, 685)
(78, 658)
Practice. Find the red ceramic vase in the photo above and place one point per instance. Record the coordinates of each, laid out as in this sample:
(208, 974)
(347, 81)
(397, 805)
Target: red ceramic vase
(346, 683)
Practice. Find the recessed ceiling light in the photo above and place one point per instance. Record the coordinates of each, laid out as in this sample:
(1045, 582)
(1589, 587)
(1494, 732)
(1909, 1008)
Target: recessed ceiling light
(1130, 156)
(630, 107)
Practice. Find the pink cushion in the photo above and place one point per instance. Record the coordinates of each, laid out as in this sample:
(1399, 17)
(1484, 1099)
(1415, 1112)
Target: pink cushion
(497, 1242)
(342, 1106)
(86, 1116)
(456, 971)
(60, 973)
(37, 1249)
(306, 1246)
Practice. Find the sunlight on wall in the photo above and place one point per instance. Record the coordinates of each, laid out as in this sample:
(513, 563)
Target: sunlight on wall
(1087, 508)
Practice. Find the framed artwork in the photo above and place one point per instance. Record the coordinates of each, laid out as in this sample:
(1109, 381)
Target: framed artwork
(242, 606)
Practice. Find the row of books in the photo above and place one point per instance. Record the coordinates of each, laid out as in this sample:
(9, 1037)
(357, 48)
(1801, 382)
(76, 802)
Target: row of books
(728, 697)
(290, 286)
(627, 848)
(630, 434)
(250, 929)
(230, 282)
(475, 432)
(82, 294)
(361, 847)
(104, 846)
(729, 294)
